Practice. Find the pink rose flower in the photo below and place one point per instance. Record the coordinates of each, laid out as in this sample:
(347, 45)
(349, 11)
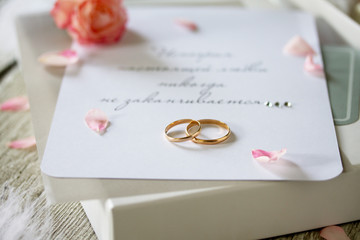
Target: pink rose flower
(62, 12)
(91, 21)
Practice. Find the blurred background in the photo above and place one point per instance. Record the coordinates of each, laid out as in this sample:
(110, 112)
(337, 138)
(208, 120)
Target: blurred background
(71, 214)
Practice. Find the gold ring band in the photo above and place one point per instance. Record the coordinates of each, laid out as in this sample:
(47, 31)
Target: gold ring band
(211, 141)
(188, 136)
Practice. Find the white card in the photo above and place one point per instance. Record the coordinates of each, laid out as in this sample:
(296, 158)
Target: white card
(161, 72)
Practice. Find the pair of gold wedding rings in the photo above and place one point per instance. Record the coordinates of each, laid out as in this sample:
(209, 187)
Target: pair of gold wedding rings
(193, 129)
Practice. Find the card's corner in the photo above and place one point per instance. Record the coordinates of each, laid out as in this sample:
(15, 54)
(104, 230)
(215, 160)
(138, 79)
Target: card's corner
(333, 174)
(48, 172)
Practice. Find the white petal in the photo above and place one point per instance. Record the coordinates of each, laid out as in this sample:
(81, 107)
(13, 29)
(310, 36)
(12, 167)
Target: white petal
(59, 59)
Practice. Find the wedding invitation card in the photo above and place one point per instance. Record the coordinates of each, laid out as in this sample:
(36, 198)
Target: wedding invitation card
(231, 69)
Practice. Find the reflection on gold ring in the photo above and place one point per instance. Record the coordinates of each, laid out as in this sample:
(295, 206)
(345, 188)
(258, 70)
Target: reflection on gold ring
(192, 124)
(211, 141)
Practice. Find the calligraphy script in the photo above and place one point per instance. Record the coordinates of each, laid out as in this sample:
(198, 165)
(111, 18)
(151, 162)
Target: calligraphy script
(255, 67)
(198, 62)
(199, 56)
(204, 95)
(194, 63)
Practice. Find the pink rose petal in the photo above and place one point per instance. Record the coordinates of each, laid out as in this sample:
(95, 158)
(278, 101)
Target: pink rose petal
(59, 59)
(62, 12)
(15, 104)
(97, 120)
(265, 156)
(187, 24)
(313, 68)
(68, 53)
(297, 46)
(22, 143)
(98, 21)
(334, 233)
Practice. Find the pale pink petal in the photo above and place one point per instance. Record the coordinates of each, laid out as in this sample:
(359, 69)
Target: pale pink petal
(266, 156)
(59, 59)
(334, 233)
(313, 68)
(97, 120)
(187, 24)
(69, 53)
(15, 104)
(22, 143)
(297, 46)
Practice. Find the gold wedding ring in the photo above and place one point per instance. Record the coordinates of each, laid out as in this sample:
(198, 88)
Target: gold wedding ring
(192, 124)
(211, 141)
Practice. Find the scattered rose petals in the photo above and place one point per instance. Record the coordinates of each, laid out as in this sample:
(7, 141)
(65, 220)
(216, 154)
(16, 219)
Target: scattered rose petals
(15, 104)
(313, 68)
(97, 120)
(265, 156)
(22, 143)
(187, 24)
(334, 233)
(59, 59)
(299, 47)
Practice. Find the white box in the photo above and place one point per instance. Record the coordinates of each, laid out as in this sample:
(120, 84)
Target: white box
(230, 210)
